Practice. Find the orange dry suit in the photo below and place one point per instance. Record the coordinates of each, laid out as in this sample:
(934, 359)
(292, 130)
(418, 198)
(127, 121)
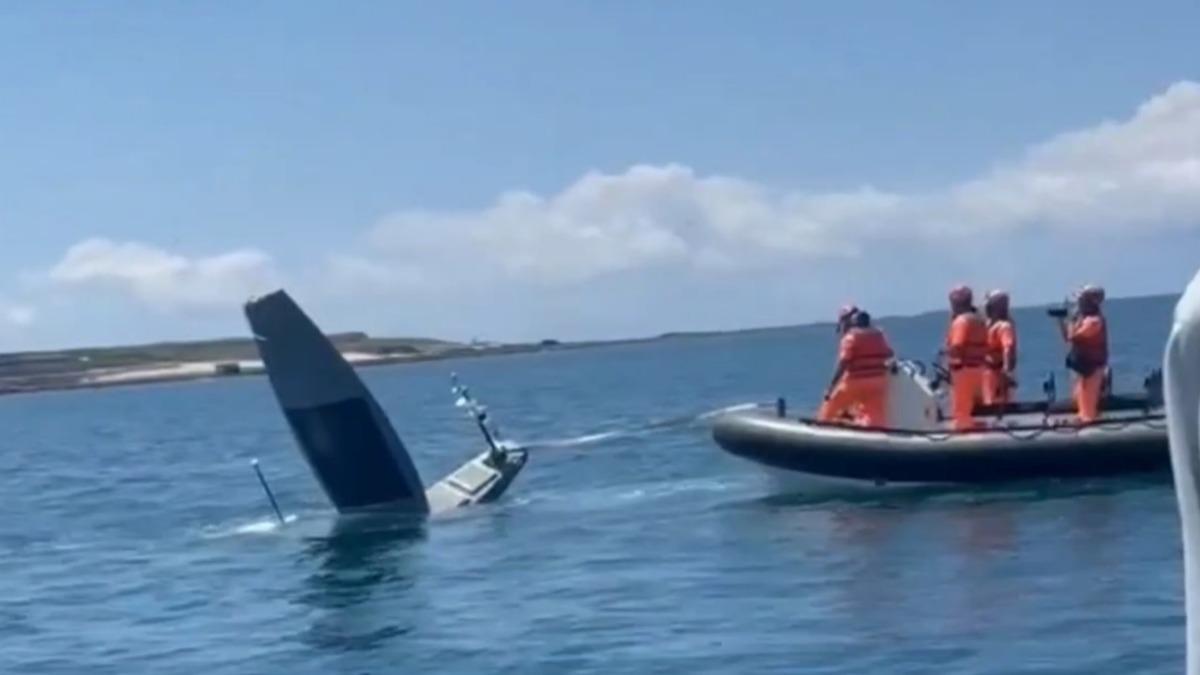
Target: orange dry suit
(1088, 357)
(1001, 358)
(966, 349)
(862, 357)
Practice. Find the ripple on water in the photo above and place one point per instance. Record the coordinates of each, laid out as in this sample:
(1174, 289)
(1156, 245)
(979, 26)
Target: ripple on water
(137, 539)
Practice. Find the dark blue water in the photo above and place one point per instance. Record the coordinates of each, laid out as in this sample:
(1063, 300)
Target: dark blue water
(135, 538)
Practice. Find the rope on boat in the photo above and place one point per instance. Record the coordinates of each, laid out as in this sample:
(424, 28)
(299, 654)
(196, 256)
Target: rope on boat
(1019, 434)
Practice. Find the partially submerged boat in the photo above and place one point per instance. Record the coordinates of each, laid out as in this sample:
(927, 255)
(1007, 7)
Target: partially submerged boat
(1019, 441)
(343, 433)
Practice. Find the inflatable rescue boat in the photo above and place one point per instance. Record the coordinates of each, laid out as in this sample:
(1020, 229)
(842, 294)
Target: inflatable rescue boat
(1018, 441)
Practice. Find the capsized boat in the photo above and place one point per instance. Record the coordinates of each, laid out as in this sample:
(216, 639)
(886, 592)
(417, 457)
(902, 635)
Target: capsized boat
(1018, 441)
(343, 433)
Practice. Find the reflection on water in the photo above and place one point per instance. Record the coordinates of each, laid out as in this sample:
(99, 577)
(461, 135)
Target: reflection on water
(984, 543)
(646, 555)
(359, 558)
(1094, 540)
(988, 530)
(908, 568)
(869, 536)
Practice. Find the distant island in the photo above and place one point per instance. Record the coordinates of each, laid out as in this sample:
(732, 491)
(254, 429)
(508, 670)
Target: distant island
(173, 361)
(99, 367)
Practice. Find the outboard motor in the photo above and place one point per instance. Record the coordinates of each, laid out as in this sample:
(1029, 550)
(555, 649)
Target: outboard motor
(1049, 388)
(1051, 392)
(1153, 386)
(913, 403)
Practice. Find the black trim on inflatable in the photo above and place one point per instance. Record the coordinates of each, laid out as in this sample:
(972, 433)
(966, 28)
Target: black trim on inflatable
(1114, 403)
(1018, 431)
(1110, 447)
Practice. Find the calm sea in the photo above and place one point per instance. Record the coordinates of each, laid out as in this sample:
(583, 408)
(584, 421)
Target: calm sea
(135, 537)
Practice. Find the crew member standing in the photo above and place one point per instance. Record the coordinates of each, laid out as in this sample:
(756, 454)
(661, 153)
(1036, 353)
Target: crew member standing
(861, 377)
(966, 354)
(1087, 355)
(998, 379)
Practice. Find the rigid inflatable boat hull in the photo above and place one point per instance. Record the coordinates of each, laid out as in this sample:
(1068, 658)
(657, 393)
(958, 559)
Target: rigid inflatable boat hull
(1124, 445)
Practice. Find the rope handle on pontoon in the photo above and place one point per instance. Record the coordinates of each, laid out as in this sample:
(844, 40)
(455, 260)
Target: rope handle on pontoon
(1015, 433)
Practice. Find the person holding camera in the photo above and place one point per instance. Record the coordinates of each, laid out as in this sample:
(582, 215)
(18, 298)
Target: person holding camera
(1086, 336)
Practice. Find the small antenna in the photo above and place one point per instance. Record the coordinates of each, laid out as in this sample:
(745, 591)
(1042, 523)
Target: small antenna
(267, 488)
(479, 413)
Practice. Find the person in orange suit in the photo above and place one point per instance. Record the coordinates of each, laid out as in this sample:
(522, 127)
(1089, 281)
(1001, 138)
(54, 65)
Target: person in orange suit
(860, 379)
(1087, 343)
(966, 354)
(998, 380)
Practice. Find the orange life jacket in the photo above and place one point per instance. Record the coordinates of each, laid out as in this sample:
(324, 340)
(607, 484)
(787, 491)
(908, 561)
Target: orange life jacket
(997, 332)
(864, 353)
(1089, 345)
(967, 343)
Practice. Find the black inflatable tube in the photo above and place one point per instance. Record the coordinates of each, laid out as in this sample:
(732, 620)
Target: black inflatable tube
(1115, 447)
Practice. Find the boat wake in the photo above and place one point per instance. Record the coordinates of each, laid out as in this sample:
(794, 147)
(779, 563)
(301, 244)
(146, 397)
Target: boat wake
(621, 497)
(653, 426)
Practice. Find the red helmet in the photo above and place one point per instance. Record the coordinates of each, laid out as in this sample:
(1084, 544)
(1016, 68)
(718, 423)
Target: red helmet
(960, 296)
(997, 300)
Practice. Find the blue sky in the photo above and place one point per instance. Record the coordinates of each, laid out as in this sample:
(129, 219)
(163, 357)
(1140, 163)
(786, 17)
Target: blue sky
(582, 169)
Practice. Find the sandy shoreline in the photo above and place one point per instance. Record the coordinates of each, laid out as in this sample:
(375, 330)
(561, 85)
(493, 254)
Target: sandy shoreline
(168, 372)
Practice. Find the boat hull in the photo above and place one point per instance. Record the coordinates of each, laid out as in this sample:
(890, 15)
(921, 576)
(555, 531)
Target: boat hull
(1128, 444)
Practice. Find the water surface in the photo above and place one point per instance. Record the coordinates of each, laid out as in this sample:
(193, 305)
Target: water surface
(136, 538)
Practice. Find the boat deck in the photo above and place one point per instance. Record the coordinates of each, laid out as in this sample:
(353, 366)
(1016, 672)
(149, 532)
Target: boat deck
(1117, 412)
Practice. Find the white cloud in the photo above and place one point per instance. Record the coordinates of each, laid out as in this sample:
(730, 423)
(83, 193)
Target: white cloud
(16, 315)
(665, 247)
(162, 279)
(600, 224)
(1138, 175)
(351, 273)
(1133, 176)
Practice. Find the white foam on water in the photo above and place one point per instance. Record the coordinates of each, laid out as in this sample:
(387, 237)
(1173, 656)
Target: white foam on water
(256, 527)
(669, 488)
(574, 441)
(632, 431)
(740, 407)
(622, 496)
